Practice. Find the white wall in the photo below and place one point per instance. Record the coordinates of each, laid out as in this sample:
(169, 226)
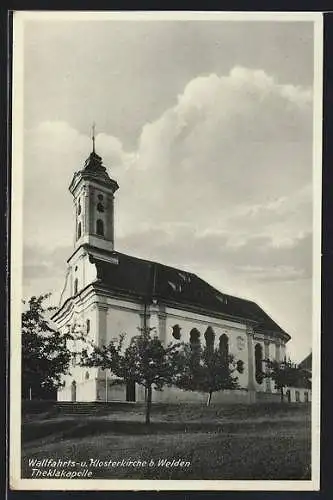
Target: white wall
(122, 321)
(174, 395)
(84, 271)
(302, 394)
(110, 317)
(233, 330)
(283, 351)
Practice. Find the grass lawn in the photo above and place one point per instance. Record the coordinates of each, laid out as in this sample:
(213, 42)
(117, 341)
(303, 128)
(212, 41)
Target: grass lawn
(230, 442)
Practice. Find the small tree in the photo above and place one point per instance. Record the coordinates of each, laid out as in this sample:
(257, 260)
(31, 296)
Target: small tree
(45, 355)
(286, 374)
(206, 369)
(145, 361)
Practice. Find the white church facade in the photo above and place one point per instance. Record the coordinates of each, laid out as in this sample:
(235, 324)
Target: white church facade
(108, 293)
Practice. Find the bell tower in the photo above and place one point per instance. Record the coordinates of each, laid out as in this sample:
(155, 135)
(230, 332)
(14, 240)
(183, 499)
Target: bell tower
(93, 192)
(93, 196)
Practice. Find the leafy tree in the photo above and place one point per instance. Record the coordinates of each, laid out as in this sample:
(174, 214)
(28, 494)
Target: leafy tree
(145, 361)
(206, 369)
(286, 374)
(45, 354)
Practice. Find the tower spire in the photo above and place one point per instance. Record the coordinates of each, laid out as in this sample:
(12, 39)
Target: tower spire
(93, 135)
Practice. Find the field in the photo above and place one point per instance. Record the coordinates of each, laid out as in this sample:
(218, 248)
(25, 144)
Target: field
(258, 441)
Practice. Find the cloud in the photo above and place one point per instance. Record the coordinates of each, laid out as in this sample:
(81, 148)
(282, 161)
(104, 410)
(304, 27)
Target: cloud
(235, 140)
(222, 178)
(43, 263)
(274, 273)
(255, 258)
(220, 184)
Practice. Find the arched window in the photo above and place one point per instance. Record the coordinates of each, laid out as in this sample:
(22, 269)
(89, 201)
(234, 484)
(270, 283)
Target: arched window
(88, 325)
(79, 207)
(176, 332)
(195, 349)
(100, 227)
(86, 375)
(210, 337)
(258, 363)
(79, 230)
(194, 337)
(76, 283)
(100, 207)
(224, 348)
(240, 366)
(297, 396)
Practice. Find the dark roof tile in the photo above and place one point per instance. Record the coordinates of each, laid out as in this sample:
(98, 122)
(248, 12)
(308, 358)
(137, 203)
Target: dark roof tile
(151, 280)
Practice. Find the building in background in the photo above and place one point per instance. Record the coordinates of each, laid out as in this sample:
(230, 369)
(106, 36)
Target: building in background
(301, 392)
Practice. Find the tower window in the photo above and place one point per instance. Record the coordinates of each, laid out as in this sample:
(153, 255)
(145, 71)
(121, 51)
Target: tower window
(100, 207)
(258, 363)
(100, 227)
(76, 284)
(224, 348)
(88, 325)
(79, 207)
(79, 230)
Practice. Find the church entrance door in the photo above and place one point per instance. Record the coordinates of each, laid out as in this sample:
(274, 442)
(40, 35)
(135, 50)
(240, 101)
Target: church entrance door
(73, 395)
(130, 391)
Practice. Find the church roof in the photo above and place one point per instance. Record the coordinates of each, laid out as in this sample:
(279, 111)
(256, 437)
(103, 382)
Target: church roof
(151, 280)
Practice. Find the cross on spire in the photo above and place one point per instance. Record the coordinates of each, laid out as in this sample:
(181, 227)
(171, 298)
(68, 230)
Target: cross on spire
(93, 135)
(94, 161)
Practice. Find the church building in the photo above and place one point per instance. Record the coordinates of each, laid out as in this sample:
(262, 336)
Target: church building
(108, 293)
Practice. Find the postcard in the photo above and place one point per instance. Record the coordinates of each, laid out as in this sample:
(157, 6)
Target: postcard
(165, 251)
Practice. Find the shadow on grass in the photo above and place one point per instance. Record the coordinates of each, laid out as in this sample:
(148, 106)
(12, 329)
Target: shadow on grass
(222, 442)
(282, 454)
(80, 428)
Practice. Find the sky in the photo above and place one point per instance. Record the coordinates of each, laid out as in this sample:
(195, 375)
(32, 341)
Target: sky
(207, 128)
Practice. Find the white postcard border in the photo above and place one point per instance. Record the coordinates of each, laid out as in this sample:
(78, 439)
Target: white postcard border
(15, 480)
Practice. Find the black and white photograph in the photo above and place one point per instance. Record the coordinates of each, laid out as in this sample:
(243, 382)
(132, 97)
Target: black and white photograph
(165, 251)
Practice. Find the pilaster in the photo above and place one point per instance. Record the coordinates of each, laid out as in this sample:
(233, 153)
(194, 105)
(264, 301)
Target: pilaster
(266, 357)
(76, 222)
(91, 217)
(144, 318)
(110, 218)
(101, 324)
(162, 316)
(278, 350)
(283, 351)
(85, 206)
(250, 348)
